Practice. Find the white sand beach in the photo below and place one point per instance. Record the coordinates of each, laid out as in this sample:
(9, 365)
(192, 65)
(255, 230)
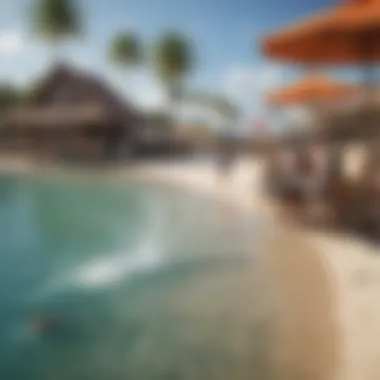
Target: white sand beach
(324, 288)
(296, 277)
(329, 324)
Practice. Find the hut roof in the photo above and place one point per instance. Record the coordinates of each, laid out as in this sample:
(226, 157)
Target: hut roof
(69, 95)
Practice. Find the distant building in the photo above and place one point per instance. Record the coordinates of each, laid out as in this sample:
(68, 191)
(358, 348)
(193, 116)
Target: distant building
(74, 115)
(157, 135)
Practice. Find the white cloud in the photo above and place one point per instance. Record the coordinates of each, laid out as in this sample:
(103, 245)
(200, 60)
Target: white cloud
(243, 85)
(12, 42)
(248, 86)
(147, 91)
(140, 86)
(194, 112)
(238, 79)
(252, 81)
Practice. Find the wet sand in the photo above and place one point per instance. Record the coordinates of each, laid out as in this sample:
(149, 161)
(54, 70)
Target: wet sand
(305, 341)
(356, 268)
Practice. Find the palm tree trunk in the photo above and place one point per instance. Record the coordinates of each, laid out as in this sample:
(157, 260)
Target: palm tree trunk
(173, 97)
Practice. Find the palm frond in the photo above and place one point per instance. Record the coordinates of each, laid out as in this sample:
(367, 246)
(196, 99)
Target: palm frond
(56, 19)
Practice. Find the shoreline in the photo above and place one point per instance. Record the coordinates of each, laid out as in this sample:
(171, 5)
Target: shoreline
(316, 334)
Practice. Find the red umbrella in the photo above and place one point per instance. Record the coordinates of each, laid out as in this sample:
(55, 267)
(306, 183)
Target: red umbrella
(312, 90)
(343, 35)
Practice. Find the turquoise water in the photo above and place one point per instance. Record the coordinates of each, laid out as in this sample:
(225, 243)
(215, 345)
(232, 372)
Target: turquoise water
(148, 283)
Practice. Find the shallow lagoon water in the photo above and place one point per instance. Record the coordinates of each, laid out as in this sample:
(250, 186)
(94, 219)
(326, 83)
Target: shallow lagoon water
(149, 282)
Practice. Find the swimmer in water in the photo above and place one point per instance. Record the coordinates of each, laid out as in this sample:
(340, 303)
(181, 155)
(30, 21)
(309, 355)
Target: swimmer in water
(43, 325)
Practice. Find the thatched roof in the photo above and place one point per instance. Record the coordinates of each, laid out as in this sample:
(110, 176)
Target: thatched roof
(87, 86)
(69, 96)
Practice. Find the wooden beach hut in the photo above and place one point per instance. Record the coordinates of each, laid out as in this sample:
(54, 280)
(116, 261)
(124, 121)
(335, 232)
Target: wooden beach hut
(71, 114)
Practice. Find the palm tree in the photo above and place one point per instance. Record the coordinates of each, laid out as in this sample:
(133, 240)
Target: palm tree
(126, 50)
(173, 61)
(56, 20)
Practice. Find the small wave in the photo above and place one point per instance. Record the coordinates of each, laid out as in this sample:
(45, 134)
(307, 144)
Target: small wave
(103, 271)
(146, 256)
(116, 268)
(113, 267)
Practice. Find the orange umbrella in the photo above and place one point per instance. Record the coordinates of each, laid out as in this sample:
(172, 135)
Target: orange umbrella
(343, 35)
(312, 90)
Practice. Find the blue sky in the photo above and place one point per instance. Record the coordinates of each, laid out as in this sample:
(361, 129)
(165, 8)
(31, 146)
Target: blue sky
(225, 33)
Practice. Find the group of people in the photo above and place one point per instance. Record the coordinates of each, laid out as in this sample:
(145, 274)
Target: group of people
(300, 177)
(311, 179)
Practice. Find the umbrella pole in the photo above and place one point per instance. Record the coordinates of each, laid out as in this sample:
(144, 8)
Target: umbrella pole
(367, 43)
(369, 83)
